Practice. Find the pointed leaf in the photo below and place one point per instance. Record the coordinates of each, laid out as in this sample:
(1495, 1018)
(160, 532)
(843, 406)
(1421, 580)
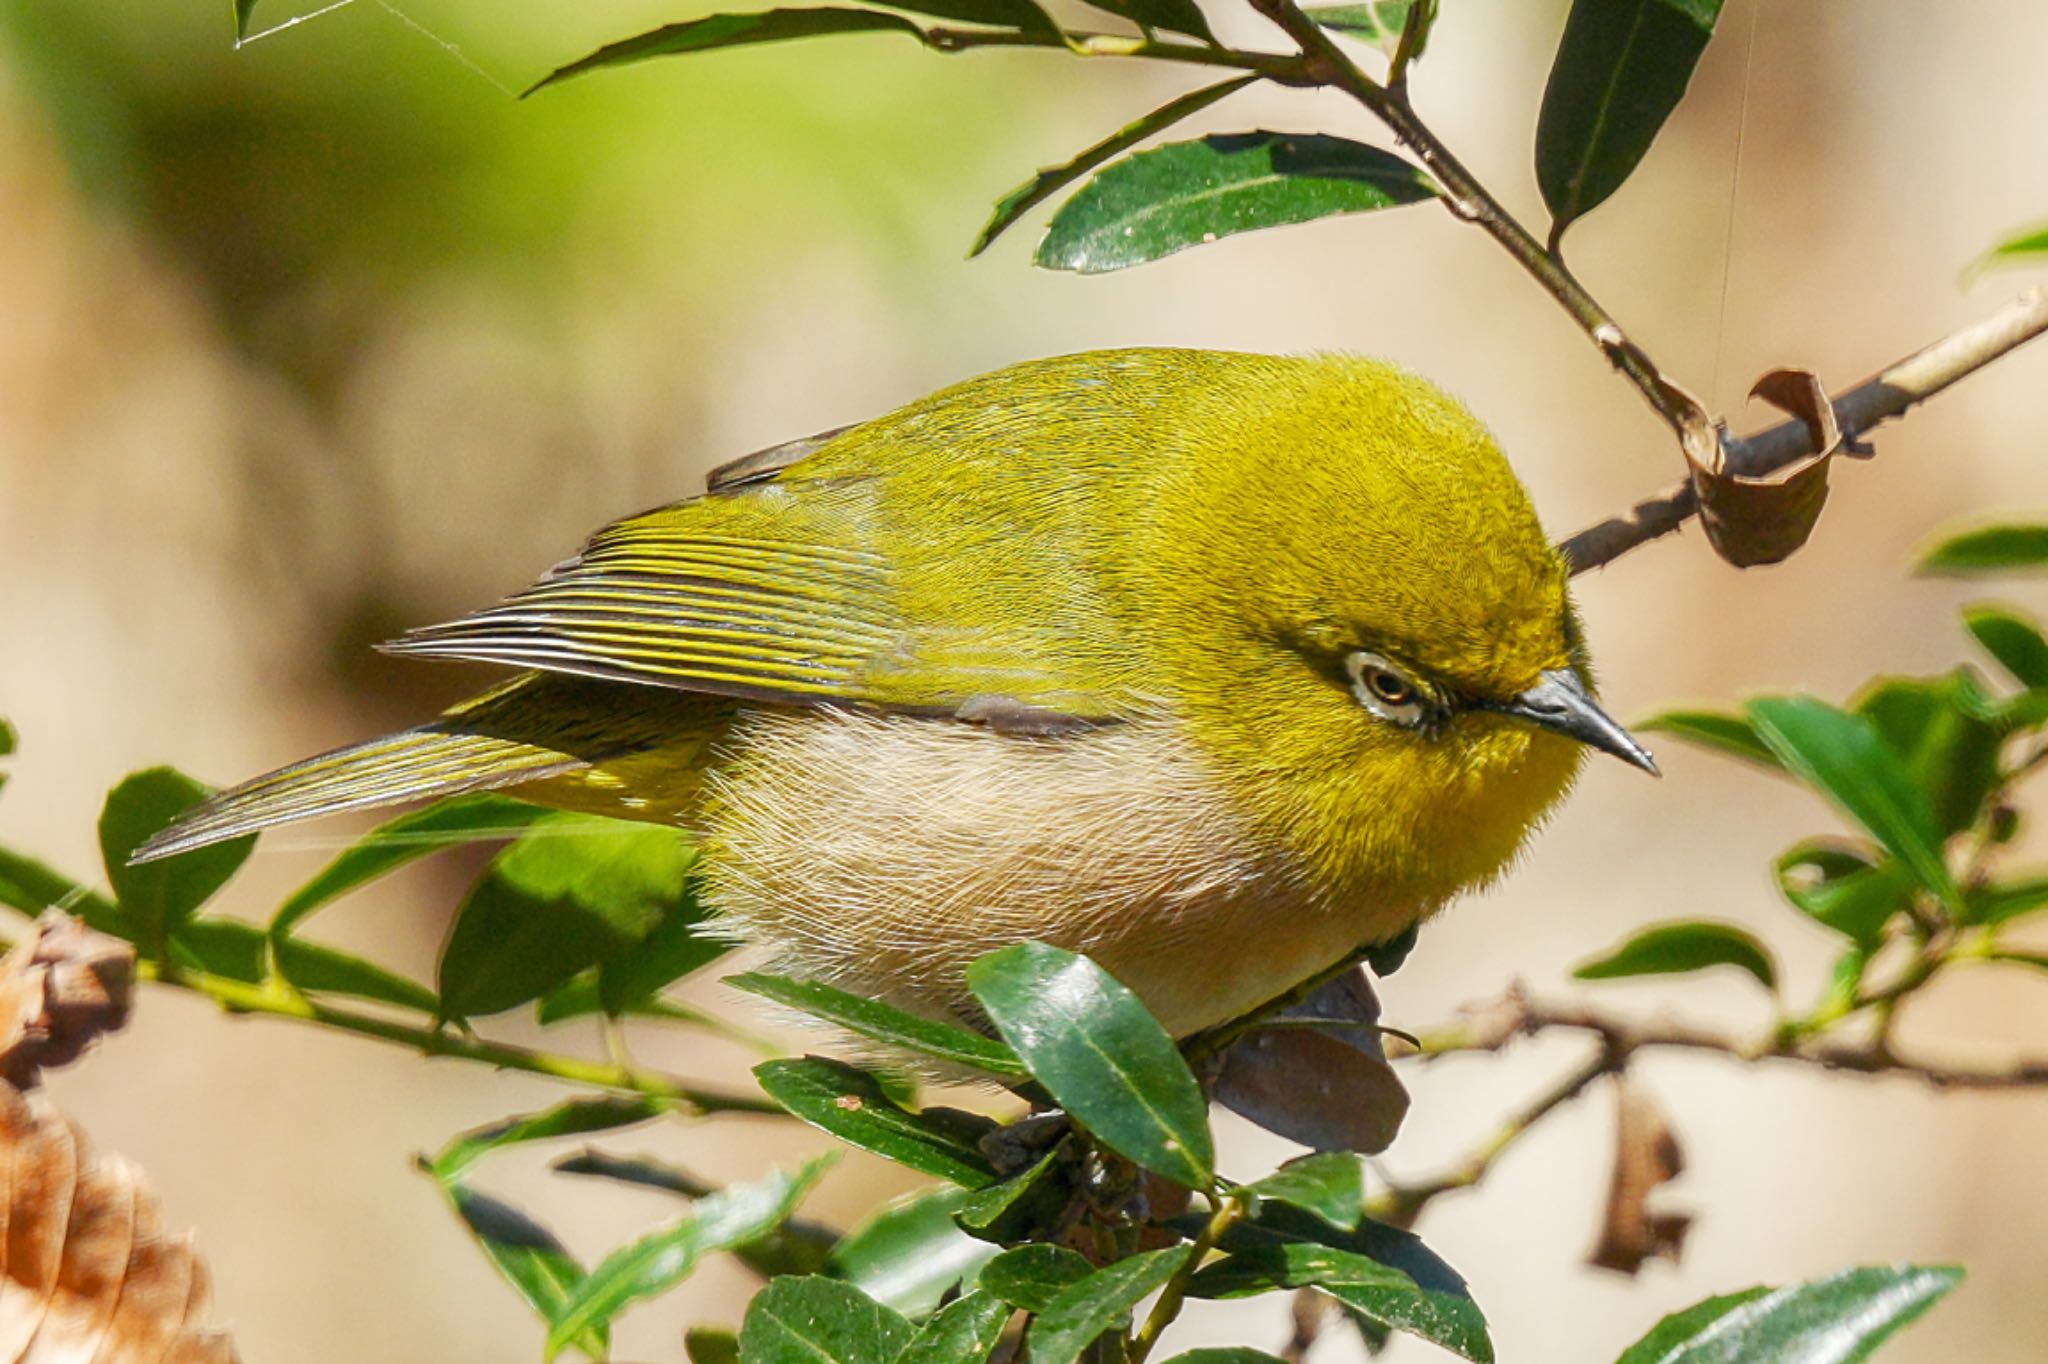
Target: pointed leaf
(32, 887)
(1989, 549)
(1843, 889)
(795, 1247)
(1331, 1185)
(2011, 638)
(1843, 757)
(1107, 1061)
(2007, 900)
(1022, 1205)
(1175, 16)
(1836, 1320)
(884, 1023)
(965, 1331)
(732, 30)
(709, 1345)
(1032, 1276)
(1722, 731)
(315, 969)
(1944, 729)
(567, 1119)
(1082, 1311)
(156, 897)
(1620, 70)
(2019, 248)
(1052, 179)
(1186, 193)
(527, 1256)
(1694, 945)
(910, 1254)
(852, 1106)
(820, 1321)
(1378, 22)
(657, 1262)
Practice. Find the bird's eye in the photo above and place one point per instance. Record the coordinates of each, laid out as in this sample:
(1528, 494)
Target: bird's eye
(1384, 689)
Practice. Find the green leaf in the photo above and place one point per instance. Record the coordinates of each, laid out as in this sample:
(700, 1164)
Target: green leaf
(7, 743)
(1943, 728)
(2007, 900)
(243, 9)
(1844, 757)
(1031, 1276)
(851, 1105)
(884, 1023)
(1384, 1274)
(1331, 1185)
(910, 1254)
(1226, 1354)
(1378, 22)
(1022, 15)
(575, 890)
(1620, 70)
(795, 1247)
(709, 1345)
(156, 897)
(391, 845)
(676, 946)
(1845, 979)
(2018, 249)
(1989, 549)
(965, 1331)
(1693, 945)
(32, 887)
(1106, 1061)
(1186, 193)
(577, 997)
(1084, 1310)
(1721, 731)
(1021, 1205)
(527, 1256)
(820, 1321)
(731, 30)
(1836, 1320)
(660, 1260)
(1052, 179)
(2011, 638)
(568, 1119)
(221, 947)
(1843, 889)
(1175, 16)
(315, 969)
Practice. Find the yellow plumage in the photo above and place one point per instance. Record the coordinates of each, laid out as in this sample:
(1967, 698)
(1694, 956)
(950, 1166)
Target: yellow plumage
(1216, 666)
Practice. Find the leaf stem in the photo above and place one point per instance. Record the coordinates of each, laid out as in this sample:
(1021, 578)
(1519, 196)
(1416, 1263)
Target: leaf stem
(238, 997)
(1230, 1210)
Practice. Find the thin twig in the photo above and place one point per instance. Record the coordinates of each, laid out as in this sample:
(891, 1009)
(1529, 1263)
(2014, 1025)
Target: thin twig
(1281, 69)
(1229, 1212)
(1889, 393)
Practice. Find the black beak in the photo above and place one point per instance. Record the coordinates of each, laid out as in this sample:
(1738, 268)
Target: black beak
(1561, 702)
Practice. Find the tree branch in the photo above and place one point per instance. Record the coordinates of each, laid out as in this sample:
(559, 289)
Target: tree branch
(1888, 394)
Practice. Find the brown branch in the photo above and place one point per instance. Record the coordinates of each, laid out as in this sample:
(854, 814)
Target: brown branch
(1888, 394)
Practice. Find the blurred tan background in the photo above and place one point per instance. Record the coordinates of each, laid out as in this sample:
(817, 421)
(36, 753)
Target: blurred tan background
(303, 343)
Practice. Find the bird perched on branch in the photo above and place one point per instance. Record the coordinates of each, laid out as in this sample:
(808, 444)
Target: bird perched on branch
(1217, 667)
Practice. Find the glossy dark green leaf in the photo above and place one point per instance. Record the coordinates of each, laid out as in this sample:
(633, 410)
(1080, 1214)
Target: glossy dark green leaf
(1382, 1273)
(1052, 179)
(1946, 730)
(315, 969)
(1722, 731)
(1186, 193)
(573, 1118)
(709, 1345)
(1087, 1308)
(910, 1254)
(964, 1331)
(1106, 1061)
(2003, 901)
(1693, 945)
(2011, 637)
(732, 30)
(1031, 1276)
(1225, 1354)
(1841, 888)
(156, 897)
(1836, 1320)
(1620, 70)
(1022, 1205)
(393, 844)
(1845, 758)
(1989, 549)
(1378, 22)
(575, 890)
(1330, 1184)
(853, 1107)
(1174, 16)
(32, 887)
(820, 1321)
(884, 1023)
(660, 1260)
(527, 1256)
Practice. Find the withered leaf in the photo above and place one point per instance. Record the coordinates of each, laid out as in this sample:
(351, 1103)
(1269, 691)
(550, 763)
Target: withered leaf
(1646, 1155)
(1754, 519)
(60, 988)
(1318, 1075)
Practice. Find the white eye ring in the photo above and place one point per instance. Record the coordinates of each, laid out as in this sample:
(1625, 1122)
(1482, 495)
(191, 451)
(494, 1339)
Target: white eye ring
(1384, 689)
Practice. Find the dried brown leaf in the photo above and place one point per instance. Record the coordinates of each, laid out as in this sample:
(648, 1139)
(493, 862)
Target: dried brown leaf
(1646, 1156)
(1328, 1087)
(60, 988)
(1754, 519)
(88, 1276)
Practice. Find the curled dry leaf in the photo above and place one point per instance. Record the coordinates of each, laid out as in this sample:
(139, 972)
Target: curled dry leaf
(86, 1273)
(60, 988)
(1646, 1155)
(1328, 1087)
(1753, 519)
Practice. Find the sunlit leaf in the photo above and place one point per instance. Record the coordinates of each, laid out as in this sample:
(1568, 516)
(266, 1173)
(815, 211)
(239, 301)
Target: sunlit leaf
(1843, 889)
(910, 1254)
(156, 897)
(1330, 1184)
(1031, 1276)
(820, 1321)
(1378, 22)
(1693, 945)
(1102, 1302)
(221, 947)
(677, 946)
(1722, 731)
(1107, 1061)
(1945, 730)
(732, 30)
(2025, 247)
(965, 1331)
(243, 9)
(1158, 202)
(1836, 1320)
(852, 1106)
(884, 1023)
(1052, 179)
(1620, 70)
(528, 1257)
(1989, 549)
(572, 1118)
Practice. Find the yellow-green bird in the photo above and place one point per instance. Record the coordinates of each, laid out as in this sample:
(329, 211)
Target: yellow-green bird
(1215, 666)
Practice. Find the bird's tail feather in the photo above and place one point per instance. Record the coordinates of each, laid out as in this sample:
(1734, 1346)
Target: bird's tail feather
(417, 764)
